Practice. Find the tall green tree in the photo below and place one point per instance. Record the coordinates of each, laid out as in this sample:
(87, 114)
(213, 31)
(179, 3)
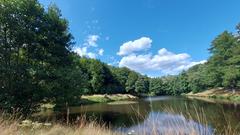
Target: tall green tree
(231, 78)
(156, 86)
(131, 81)
(122, 76)
(34, 44)
(97, 76)
(142, 85)
(20, 22)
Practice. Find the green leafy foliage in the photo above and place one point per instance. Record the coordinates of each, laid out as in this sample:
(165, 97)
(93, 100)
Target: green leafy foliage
(156, 86)
(231, 78)
(142, 85)
(131, 81)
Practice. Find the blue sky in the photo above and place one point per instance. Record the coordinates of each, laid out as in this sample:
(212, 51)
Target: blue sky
(153, 37)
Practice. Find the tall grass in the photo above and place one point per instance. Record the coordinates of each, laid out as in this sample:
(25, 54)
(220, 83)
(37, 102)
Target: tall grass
(153, 125)
(13, 127)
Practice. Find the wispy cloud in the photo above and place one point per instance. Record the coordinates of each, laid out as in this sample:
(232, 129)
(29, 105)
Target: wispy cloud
(84, 52)
(90, 42)
(100, 52)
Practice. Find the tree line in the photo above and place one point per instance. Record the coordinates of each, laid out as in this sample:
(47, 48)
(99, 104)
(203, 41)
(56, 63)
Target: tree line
(37, 64)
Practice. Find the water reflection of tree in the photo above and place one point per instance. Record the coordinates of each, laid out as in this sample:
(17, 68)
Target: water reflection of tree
(116, 115)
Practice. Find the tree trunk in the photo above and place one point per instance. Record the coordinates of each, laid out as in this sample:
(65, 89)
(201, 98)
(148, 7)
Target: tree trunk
(68, 111)
(233, 91)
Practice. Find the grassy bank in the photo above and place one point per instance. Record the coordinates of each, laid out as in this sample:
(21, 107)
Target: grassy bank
(97, 98)
(221, 94)
(106, 98)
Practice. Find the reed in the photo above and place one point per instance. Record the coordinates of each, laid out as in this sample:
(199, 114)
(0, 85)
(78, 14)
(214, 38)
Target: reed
(183, 125)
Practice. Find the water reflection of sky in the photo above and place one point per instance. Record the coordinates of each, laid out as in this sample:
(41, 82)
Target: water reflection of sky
(157, 98)
(165, 123)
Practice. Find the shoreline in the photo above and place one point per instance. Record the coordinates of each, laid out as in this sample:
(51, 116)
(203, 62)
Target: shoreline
(106, 98)
(219, 94)
(97, 98)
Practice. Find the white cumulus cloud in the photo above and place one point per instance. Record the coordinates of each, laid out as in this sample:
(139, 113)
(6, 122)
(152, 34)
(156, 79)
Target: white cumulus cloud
(164, 61)
(130, 47)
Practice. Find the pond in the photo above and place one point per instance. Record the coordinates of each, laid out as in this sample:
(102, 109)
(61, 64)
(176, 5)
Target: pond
(161, 114)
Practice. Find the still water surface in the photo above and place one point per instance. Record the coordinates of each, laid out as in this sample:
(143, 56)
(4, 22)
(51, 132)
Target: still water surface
(161, 113)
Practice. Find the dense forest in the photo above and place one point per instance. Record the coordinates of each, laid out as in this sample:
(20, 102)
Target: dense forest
(37, 64)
